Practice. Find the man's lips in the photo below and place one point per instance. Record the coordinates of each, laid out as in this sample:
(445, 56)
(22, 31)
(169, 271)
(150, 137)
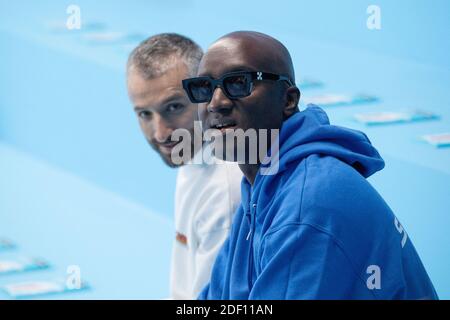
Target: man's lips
(167, 147)
(222, 124)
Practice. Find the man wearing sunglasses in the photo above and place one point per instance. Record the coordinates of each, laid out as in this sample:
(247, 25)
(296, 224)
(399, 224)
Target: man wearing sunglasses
(206, 196)
(314, 228)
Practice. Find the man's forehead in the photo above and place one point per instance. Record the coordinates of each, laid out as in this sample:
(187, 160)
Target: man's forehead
(156, 91)
(227, 44)
(226, 55)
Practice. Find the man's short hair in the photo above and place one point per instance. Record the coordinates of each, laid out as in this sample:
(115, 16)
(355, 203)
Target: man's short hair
(154, 56)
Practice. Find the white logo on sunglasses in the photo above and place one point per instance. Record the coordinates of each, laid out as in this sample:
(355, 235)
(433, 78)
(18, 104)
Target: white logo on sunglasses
(259, 76)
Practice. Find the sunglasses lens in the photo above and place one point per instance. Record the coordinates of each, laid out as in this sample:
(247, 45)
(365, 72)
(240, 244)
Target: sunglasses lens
(200, 90)
(237, 86)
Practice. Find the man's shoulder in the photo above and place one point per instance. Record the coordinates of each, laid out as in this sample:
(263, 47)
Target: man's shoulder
(203, 174)
(212, 192)
(320, 180)
(230, 169)
(326, 192)
(220, 178)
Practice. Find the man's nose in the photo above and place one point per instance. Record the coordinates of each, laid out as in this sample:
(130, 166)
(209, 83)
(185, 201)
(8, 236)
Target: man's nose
(161, 130)
(220, 102)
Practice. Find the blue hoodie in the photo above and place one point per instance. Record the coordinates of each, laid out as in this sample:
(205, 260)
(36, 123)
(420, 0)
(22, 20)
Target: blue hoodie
(317, 229)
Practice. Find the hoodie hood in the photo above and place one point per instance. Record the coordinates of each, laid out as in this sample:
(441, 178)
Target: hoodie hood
(309, 132)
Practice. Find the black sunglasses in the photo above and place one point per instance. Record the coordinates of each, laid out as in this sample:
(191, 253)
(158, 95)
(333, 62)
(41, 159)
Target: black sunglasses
(235, 85)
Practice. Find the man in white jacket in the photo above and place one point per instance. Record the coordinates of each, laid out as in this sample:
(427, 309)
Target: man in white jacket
(206, 195)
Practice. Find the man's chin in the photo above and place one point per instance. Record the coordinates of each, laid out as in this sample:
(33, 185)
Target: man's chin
(175, 160)
(226, 152)
(168, 161)
(166, 158)
(240, 153)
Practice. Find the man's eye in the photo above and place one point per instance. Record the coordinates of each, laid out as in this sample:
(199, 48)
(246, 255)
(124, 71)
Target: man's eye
(237, 80)
(145, 115)
(174, 107)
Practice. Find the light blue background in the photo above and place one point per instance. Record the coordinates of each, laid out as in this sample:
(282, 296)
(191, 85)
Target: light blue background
(79, 185)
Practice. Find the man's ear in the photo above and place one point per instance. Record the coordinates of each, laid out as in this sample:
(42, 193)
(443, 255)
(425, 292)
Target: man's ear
(292, 99)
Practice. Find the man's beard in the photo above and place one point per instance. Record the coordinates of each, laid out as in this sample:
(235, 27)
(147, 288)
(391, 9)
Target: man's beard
(167, 158)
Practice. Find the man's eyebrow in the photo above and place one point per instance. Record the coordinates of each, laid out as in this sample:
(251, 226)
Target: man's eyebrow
(169, 99)
(138, 108)
(174, 97)
(235, 68)
(239, 68)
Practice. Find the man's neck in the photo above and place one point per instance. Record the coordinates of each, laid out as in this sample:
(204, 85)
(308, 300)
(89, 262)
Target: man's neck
(249, 171)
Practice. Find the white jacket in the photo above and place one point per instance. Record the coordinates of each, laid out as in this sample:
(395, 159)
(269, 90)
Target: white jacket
(206, 199)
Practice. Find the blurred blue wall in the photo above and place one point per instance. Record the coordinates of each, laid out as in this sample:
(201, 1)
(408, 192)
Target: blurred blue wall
(66, 102)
